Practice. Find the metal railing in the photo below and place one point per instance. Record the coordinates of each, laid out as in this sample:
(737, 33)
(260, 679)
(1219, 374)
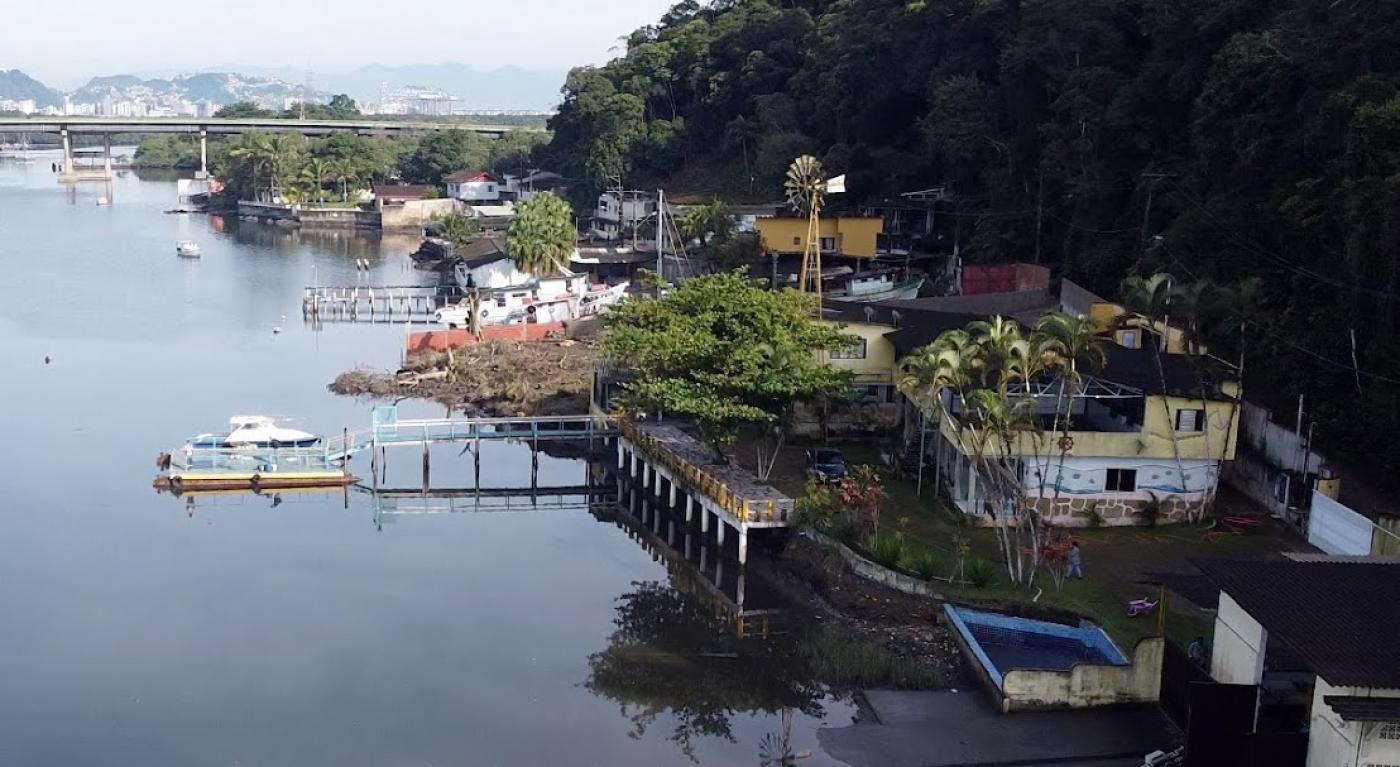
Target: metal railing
(751, 510)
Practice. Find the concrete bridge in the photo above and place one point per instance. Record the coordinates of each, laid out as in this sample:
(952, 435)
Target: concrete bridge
(106, 127)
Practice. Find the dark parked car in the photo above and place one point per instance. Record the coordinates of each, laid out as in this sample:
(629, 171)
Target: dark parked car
(826, 464)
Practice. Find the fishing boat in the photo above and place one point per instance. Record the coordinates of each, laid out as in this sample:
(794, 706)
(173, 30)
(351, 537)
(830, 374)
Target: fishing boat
(187, 249)
(255, 431)
(533, 302)
(877, 286)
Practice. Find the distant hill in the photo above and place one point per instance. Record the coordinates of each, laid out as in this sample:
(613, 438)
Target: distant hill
(19, 86)
(508, 87)
(218, 87)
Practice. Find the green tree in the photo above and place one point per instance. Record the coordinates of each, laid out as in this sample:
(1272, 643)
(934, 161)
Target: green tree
(314, 174)
(541, 236)
(242, 110)
(443, 153)
(727, 352)
(455, 228)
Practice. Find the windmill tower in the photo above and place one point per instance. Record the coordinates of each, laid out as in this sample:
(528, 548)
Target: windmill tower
(806, 191)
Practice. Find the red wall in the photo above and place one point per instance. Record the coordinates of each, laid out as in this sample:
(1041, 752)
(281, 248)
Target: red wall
(1004, 278)
(442, 340)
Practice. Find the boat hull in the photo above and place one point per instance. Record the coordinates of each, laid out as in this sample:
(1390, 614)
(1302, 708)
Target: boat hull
(900, 292)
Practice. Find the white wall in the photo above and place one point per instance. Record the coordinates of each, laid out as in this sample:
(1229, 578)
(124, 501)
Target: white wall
(1237, 655)
(1086, 477)
(1333, 742)
(475, 191)
(499, 274)
(1336, 529)
(1280, 445)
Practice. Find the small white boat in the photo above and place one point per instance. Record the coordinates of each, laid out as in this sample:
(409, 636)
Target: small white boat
(255, 431)
(103, 201)
(187, 249)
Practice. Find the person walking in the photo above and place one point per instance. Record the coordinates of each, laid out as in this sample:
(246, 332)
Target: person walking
(1073, 569)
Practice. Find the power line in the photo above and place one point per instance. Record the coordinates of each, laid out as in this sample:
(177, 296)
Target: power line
(1282, 261)
(1355, 370)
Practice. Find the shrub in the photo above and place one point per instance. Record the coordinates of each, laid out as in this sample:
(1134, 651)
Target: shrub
(980, 573)
(886, 549)
(1151, 510)
(929, 565)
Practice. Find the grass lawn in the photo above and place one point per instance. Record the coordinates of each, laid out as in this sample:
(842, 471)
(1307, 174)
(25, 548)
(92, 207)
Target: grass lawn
(1115, 560)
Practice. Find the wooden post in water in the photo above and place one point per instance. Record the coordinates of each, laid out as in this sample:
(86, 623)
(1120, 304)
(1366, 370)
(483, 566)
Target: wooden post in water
(426, 481)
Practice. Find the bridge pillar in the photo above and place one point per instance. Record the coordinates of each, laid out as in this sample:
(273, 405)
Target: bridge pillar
(67, 152)
(203, 154)
(107, 156)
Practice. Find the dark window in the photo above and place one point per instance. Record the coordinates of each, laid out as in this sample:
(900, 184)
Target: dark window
(1190, 420)
(855, 352)
(1121, 481)
(797, 241)
(828, 243)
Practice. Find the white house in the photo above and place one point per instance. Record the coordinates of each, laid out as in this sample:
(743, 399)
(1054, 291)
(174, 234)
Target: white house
(618, 212)
(1329, 622)
(474, 186)
(536, 182)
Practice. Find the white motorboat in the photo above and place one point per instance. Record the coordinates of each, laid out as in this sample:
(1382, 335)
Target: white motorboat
(255, 431)
(187, 249)
(540, 302)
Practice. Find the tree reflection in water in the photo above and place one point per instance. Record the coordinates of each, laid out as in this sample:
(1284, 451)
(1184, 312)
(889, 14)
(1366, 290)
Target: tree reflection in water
(674, 654)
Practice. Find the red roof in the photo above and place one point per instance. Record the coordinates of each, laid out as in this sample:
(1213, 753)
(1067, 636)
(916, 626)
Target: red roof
(468, 176)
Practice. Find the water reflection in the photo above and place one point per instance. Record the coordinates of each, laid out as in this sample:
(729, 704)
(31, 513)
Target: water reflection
(714, 642)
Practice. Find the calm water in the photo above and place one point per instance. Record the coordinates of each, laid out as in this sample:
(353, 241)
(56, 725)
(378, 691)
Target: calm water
(137, 631)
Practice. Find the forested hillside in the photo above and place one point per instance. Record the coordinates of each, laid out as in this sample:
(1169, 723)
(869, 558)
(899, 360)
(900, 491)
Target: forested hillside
(1214, 139)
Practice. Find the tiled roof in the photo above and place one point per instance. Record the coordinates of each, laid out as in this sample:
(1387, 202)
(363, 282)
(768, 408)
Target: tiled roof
(467, 176)
(1341, 618)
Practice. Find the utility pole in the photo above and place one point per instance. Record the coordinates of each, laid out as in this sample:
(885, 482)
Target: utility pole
(1147, 209)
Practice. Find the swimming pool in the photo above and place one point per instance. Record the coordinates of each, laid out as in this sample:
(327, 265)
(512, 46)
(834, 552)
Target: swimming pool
(1001, 643)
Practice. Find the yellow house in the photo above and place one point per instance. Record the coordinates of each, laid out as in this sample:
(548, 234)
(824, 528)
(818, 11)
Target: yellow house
(1140, 436)
(854, 236)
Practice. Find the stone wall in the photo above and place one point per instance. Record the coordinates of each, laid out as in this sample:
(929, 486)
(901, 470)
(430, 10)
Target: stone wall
(1074, 511)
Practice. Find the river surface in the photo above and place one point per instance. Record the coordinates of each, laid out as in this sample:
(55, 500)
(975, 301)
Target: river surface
(142, 629)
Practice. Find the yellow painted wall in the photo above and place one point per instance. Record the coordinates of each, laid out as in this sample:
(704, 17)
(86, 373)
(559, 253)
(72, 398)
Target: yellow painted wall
(1106, 315)
(1153, 441)
(855, 236)
(879, 359)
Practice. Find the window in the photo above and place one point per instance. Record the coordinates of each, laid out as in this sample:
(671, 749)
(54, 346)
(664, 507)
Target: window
(797, 241)
(1389, 731)
(1121, 481)
(1128, 339)
(1190, 420)
(853, 352)
(828, 243)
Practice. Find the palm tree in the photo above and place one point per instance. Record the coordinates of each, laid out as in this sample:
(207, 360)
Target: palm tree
(1149, 302)
(541, 237)
(342, 172)
(314, 174)
(1068, 342)
(254, 150)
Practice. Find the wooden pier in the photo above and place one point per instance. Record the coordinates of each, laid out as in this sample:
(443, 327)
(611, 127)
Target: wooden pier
(376, 303)
(670, 464)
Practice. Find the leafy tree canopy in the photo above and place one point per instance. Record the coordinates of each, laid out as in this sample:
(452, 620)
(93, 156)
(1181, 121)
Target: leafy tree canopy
(542, 236)
(726, 351)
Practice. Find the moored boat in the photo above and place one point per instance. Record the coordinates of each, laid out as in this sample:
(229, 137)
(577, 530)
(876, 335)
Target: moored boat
(187, 249)
(254, 431)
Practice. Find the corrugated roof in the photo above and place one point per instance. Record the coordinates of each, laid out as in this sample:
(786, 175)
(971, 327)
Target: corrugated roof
(465, 176)
(1356, 708)
(1342, 619)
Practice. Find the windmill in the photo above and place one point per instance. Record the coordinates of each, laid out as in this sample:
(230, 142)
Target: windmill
(806, 190)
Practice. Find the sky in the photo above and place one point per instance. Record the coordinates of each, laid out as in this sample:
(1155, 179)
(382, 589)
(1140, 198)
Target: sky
(106, 37)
